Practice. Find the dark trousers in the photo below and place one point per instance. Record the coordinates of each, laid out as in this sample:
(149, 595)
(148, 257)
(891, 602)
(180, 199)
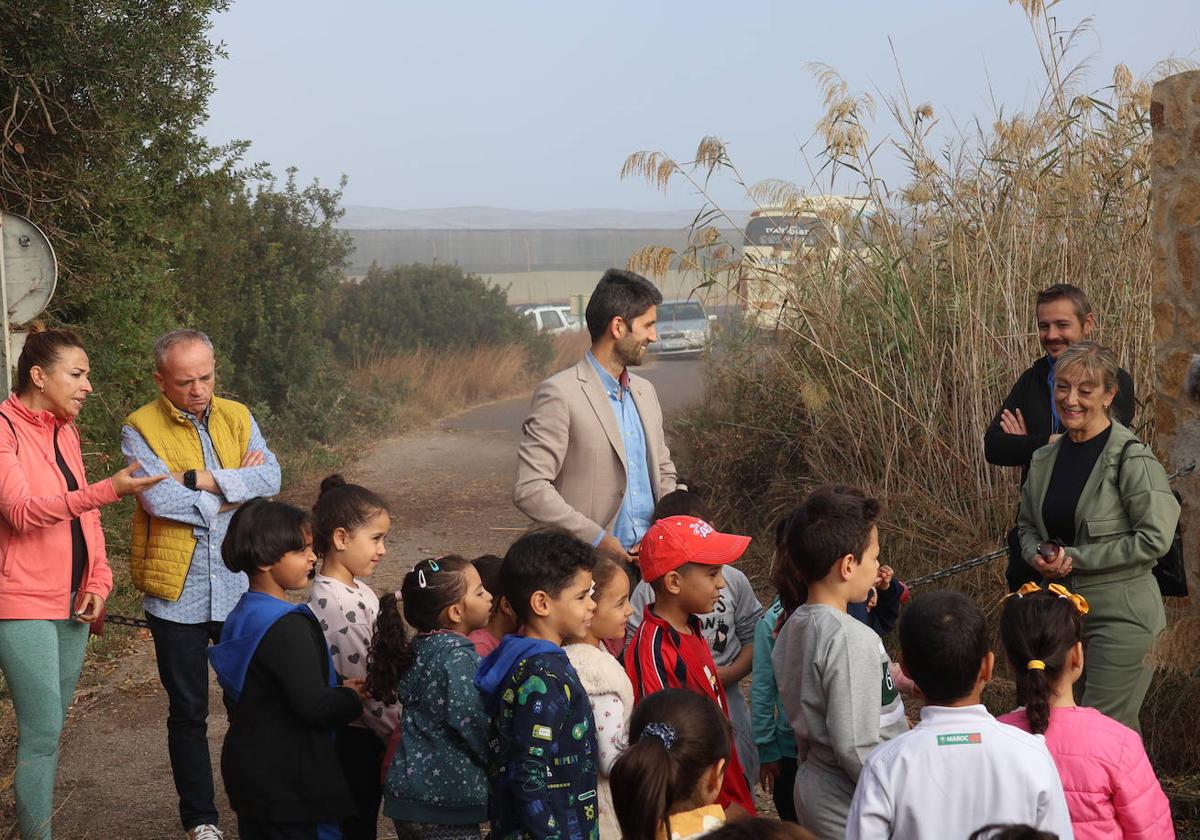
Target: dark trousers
(783, 793)
(252, 829)
(360, 752)
(182, 653)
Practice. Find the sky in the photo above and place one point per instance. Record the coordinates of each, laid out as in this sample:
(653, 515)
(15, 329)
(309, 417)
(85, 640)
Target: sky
(534, 104)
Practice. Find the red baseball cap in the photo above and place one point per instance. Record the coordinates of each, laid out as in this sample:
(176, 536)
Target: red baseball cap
(676, 540)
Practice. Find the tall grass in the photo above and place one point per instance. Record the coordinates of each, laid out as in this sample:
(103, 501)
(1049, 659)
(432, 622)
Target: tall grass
(886, 360)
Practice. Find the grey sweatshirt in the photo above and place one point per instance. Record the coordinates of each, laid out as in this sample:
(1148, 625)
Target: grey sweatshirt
(836, 689)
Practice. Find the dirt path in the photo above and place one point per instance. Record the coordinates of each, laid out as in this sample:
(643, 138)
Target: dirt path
(449, 489)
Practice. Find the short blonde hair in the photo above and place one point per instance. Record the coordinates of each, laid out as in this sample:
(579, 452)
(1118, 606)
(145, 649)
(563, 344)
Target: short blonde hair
(1093, 360)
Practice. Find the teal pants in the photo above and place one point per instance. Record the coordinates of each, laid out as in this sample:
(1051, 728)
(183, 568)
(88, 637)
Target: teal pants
(41, 662)
(1120, 628)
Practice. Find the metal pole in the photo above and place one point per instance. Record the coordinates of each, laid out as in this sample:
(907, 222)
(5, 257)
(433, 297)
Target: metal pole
(6, 344)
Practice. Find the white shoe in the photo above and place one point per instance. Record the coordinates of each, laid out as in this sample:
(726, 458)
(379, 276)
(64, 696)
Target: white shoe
(205, 832)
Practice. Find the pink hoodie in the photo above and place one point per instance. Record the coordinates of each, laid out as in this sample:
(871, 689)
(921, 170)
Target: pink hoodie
(35, 517)
(1110, 786)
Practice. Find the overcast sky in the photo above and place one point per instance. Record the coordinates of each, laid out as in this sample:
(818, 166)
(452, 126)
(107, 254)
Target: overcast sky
(535, 105)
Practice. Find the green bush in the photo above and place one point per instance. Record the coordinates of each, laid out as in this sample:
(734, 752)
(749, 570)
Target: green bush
(436, 306)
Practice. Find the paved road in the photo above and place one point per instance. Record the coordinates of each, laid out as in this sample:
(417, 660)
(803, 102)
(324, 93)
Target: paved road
(449, 489)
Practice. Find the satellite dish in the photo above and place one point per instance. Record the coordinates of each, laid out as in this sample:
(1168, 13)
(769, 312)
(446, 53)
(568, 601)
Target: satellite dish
(30, 270)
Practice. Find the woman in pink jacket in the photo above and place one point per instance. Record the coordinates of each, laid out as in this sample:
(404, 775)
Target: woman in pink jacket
(54, 578)
(1111, 788)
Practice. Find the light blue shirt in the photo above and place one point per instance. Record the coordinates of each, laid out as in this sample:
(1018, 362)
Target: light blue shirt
(634, 517)
(210, 590)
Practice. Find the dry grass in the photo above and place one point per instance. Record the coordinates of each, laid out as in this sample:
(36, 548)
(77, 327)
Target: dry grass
(432, 383)
(886, 362)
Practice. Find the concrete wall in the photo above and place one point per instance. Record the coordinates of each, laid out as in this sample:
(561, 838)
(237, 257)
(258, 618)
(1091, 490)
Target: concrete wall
(1175, 197)
(508, 251)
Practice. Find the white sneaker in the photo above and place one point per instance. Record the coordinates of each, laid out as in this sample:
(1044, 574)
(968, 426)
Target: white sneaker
(205, 832)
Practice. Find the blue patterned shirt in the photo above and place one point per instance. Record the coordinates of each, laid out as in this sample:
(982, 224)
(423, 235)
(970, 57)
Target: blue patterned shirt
(210, 590)
(638, 506)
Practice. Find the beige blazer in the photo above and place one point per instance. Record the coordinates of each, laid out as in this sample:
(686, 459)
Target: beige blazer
(571, 470)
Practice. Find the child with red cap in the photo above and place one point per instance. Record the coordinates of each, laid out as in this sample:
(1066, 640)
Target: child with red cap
(681, 557)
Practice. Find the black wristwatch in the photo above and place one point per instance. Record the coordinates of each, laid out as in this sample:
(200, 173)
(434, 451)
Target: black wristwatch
(189, 479)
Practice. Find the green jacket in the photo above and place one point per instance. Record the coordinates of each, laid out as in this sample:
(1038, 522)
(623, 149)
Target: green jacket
(1120, 532)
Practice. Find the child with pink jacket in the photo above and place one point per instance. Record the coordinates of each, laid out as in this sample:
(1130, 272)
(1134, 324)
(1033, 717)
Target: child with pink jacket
(1110, 786)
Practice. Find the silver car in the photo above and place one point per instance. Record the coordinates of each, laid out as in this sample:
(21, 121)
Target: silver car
(684, 328)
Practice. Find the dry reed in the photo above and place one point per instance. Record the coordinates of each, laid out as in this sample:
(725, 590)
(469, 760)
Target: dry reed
(887, 359)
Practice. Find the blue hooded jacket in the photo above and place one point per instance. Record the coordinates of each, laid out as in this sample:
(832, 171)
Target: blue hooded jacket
(544, 759)
(494, 669)
(247, 623)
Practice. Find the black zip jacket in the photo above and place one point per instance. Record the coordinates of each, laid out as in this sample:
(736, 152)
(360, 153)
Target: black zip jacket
(279, 763)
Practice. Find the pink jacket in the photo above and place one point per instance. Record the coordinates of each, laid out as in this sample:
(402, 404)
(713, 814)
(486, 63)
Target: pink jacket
(35, 516)
(1110, 786)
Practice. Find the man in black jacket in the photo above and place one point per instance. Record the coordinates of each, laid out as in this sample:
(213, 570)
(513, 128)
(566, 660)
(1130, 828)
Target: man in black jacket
(1028, 418)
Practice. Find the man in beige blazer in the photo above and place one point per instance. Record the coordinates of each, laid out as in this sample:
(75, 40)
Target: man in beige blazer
(593, 459)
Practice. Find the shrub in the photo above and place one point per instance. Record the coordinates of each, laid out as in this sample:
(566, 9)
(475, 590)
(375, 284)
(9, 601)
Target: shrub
(435, 306)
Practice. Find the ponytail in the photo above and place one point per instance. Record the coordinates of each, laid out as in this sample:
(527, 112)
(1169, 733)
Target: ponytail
(390, 654)
(792, 589)
(675, 737)
(1039, 629)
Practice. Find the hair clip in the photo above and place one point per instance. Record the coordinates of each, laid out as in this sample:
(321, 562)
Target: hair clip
(1078, 601)
(1035, 665)
(662, 731)
(434, 567)
(421, 582)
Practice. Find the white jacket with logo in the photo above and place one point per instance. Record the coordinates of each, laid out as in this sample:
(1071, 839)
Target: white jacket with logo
(957, 771)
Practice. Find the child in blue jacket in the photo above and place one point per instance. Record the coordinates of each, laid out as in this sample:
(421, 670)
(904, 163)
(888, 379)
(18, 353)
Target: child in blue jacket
(545, 757)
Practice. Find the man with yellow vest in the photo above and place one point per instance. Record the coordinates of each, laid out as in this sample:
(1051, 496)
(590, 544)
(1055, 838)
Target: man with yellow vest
(217, 459)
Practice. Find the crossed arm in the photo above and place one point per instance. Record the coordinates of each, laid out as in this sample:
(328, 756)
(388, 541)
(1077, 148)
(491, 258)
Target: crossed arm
(217, 491)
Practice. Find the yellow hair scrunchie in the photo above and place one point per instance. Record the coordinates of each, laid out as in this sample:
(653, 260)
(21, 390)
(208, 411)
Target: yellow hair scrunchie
(1036, 665)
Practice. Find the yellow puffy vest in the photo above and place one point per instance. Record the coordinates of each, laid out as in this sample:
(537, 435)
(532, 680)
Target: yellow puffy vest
(162, 549)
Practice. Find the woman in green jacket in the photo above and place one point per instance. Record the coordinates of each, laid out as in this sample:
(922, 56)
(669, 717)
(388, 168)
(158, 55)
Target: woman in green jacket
(1109, 536)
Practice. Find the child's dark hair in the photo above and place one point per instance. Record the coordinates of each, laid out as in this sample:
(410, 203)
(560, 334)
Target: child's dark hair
(341, 505)
(681, 503)
(943, 640)
(999, 831)
(791, 588)
(261, 532)
(675, 736)
(832, 522)
(427, 590)
(545, 560)
(606, 569)
(759, 828)
(488, 566)
(1040, 626)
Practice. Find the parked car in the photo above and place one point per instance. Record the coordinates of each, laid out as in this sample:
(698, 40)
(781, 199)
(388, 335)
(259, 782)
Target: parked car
(548, 318)
(684, 328)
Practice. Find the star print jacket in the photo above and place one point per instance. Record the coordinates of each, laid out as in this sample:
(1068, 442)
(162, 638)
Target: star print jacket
(543, 744)
(438, 773)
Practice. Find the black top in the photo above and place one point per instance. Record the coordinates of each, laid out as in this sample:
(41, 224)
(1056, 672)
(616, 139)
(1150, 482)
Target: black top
(1031, 394)
(279, 763)
(78, 543)
(1071, 471)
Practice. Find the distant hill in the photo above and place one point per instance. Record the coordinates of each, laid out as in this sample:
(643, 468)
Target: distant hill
(499, 218)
